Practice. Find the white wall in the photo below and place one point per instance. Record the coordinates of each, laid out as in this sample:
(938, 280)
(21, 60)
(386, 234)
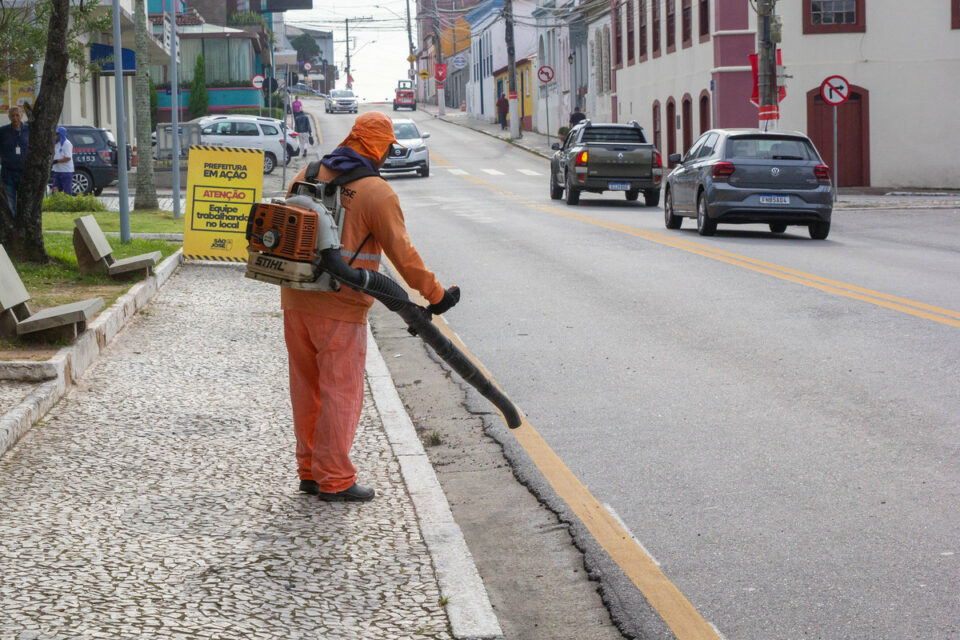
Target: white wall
(909, 61)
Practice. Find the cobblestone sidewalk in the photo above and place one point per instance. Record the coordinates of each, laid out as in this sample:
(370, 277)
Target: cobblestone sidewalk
(159, 498)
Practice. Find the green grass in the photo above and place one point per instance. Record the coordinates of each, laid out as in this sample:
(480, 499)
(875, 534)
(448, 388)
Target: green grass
(142, 221)
(60, 282)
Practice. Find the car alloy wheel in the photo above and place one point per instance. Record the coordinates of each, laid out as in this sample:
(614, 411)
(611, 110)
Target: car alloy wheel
(556, 191)
(670, 220)
(82, 184)
(269, 162)
(705, 226)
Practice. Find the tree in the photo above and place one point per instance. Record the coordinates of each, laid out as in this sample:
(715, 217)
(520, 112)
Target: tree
(56, 31)
(199, 100)
(146, 191)
(307, 48)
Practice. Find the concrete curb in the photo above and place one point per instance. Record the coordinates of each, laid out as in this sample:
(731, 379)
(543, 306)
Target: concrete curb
(68, 364)
(468, 606)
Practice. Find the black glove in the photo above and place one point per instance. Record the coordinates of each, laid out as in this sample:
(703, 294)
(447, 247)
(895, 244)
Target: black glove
(450, 297)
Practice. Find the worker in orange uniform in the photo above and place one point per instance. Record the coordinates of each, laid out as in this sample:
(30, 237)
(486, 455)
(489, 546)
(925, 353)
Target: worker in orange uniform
(326, 331)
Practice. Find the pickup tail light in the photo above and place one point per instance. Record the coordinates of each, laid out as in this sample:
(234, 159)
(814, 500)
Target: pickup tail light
(657, 161)
(582, 159)
(722, 170)
(822, 172)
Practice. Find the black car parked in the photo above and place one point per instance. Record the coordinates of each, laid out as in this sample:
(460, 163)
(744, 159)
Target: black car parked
(94, 158)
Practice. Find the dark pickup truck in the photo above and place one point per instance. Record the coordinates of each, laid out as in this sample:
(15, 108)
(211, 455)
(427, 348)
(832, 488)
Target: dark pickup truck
(606, 157)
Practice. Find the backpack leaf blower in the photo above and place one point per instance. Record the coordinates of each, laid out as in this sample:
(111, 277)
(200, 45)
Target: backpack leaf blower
(296, 243)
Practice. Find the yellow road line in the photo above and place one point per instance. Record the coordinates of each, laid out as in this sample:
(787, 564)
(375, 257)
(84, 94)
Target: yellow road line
(666, 599)
(930, 312)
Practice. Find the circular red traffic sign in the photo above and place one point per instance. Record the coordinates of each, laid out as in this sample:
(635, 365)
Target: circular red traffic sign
(545, 73)
(307, 66)
(257, 81)
(835, 90)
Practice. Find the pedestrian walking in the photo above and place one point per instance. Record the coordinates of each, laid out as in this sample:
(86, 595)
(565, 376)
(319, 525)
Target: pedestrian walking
(301, 124)
(63, 163)
(14, 140)
(503, 107)
(326, 331)
(297, 106)
(577, 116)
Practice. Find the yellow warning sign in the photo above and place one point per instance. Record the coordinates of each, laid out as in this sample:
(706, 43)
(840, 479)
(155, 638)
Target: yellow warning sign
(222, 184)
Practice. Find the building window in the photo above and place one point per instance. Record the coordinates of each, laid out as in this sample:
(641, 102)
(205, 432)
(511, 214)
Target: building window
(686, 109)
(615, 17)
(631, 52)
(671, 26)
(671, 125)
(955, 14)
(704, 20)
(834, 16)
(704, 111)
(655, 8)
(642, 7)
(656, 126)
(686, 20)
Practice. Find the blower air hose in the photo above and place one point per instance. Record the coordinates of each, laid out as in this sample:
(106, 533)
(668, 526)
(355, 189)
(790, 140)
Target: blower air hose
(395, 298)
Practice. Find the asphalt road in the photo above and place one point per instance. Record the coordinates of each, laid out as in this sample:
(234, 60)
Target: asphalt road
(774, 419)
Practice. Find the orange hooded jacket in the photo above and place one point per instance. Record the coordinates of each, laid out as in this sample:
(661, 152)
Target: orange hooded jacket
(372, 208)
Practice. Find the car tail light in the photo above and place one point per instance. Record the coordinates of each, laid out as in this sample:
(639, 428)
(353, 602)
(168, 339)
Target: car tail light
(106, 156)
(657, 162)
(582, 159)
(293, 134)
(822, 172)
(722, 170)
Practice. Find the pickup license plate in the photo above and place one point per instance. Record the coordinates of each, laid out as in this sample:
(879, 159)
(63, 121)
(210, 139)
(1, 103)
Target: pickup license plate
(619, 186)
(774, 199)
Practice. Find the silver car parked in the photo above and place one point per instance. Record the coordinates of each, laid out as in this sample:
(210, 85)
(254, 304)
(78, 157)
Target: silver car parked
(743, 176)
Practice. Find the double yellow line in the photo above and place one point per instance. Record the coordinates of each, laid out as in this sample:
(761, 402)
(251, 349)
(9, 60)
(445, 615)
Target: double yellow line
(642, 570)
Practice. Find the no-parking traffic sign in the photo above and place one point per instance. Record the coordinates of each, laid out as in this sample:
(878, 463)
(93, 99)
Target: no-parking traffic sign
(835, 90)
(545, 73)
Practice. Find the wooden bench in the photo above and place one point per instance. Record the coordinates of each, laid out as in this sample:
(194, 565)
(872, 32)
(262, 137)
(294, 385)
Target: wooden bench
(16, 319)
(95, 255)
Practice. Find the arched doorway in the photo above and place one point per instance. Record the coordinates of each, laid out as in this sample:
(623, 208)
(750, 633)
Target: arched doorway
(704, 111)
(686, 110)
(853, 133)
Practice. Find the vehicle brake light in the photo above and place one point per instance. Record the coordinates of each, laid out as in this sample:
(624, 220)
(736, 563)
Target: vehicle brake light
(822, 172)
(293, 134)
(106, 156)
(722, 170)
(657, 162)
(581, 158)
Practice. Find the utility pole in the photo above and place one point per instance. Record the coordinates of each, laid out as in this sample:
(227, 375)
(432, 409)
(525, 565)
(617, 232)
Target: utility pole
(516, 131)
(346, 21)
(438, 52)
(410, 38)
(174, 114)
(768, 35)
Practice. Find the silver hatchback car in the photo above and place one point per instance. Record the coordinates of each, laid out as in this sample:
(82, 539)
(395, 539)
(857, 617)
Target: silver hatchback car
(743, 176)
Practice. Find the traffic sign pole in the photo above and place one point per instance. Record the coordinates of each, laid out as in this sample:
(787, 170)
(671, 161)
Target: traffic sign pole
(835, 90)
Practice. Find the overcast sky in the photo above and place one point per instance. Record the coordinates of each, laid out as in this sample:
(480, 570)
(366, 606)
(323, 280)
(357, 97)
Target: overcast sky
(378, 49)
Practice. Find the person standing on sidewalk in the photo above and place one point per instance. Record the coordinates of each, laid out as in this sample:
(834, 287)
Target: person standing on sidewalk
(576, 117)
(63, 163)
(503, 108)
(326, 331)
(14, 139)
(297, 106)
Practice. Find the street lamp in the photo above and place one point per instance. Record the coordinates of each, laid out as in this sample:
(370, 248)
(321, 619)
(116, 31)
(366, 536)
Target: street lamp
(572, 57)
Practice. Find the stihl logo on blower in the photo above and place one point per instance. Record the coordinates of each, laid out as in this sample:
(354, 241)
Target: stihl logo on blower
(296, 243)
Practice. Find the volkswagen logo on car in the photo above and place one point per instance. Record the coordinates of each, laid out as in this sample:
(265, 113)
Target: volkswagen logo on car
(775, 171)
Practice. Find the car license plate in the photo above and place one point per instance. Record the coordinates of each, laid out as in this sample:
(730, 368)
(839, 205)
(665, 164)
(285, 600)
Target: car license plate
(619, 186)
(774, 199)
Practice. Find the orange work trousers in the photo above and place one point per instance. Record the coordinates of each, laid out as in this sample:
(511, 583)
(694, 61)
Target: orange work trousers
(327, 360)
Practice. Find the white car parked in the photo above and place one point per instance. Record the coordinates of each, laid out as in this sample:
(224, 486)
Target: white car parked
(251, 132)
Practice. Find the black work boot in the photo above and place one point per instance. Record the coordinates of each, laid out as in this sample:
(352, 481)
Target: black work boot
(309, 486)
(355, 493)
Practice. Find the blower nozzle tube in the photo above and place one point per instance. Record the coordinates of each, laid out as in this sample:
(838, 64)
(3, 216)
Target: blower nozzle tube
(395, 298)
